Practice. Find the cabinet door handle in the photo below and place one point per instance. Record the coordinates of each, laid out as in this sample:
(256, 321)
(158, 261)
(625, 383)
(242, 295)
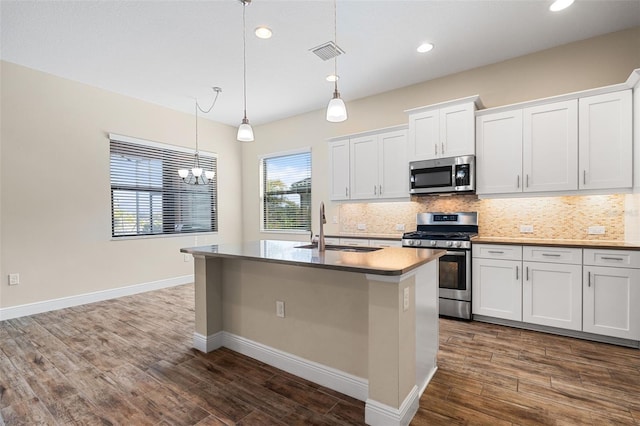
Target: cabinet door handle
(584, 177)
(589, 279)
(527, 273)
(346, 191)
(551, 254)
(517, 277)
(496, 251)
(442, 146)
(375, 190)
(380, 190)
(518, 182)
(612, 258)
(527, 180)
(436, 148)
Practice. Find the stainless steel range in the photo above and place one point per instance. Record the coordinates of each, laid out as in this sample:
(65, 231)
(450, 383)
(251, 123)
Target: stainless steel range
(453, 232)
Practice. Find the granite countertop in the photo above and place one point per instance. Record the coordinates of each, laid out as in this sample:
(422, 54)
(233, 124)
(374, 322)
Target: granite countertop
(615, 245)
(386, 261)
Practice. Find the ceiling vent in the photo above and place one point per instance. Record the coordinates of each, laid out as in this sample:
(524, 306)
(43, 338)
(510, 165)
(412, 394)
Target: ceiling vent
(328, 50)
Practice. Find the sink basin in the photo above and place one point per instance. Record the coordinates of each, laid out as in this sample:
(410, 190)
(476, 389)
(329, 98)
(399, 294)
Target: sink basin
(353, 249)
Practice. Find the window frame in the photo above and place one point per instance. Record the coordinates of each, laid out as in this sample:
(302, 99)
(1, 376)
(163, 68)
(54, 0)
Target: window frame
(261, 177)
(164, 147)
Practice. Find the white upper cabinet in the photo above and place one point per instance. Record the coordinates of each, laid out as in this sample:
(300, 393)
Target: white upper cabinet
(339, 169)
(606, 141)
(364, 167)
(442, 130)
(393, 165)
(550, 147)
(499, 153)
(373, 165)
(570, 143)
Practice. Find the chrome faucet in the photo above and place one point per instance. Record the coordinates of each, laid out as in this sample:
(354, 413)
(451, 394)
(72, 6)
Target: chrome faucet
(323, 220)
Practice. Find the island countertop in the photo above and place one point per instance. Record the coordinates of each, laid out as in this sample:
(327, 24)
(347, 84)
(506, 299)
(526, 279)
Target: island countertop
(386, 261)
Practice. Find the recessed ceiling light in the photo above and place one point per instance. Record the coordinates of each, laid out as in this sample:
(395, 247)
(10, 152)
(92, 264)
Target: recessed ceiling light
(264, 32)
(424, 47)
(333, 78)
(560, 5)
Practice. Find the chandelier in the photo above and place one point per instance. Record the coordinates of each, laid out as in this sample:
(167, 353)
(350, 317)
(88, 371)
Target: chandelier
(195, 175)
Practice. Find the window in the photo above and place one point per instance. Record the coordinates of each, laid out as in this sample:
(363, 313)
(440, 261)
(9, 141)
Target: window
(286, 192)
(149, 198)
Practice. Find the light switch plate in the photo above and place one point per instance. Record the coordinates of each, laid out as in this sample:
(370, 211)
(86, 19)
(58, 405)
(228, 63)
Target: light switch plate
(362, 227)
(526, 229)
(596, 230)
(399, 226)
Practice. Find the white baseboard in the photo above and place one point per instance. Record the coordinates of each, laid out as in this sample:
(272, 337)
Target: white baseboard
(207, 344)
(82, 299)
(348, 384)
(379, 414)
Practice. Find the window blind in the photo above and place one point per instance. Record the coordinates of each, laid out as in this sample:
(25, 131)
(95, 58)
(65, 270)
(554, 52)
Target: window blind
(149, 198)
(286, 181)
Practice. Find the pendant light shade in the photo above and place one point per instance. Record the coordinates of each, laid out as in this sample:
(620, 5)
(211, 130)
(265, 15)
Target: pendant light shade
(245, 132)
(336, 110)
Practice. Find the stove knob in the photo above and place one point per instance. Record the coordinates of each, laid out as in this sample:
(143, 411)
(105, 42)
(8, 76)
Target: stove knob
(410, 242)
(418, 243)
(449, 243)
(456, 243)
(433, 243)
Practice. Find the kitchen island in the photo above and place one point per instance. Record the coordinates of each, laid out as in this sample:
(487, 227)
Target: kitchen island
(361, 323)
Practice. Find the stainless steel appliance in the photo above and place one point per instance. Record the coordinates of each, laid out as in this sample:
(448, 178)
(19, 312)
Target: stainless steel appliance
(443, 175)
(453, 232)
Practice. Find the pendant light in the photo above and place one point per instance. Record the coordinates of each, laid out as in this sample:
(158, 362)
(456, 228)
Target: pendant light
(245, 132)
(336, 110)
(195, 177)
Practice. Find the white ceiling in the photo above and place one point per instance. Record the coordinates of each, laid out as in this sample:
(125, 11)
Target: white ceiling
(170, 52)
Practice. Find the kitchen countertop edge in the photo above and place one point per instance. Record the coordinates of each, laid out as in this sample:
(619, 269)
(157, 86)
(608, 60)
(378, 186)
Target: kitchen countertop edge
(613, 245)
(334, 260)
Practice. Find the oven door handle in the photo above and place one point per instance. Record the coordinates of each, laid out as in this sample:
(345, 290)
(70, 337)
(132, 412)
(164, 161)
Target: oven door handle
(455, 253)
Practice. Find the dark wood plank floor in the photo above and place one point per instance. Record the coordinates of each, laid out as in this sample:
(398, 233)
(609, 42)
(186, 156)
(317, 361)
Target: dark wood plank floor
(129, 361)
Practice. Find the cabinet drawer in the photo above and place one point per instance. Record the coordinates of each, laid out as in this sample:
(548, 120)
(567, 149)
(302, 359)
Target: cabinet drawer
(385, 243)
(620, 258)
(354, 242)
(552, 254)
(496, 251)
(331, 240)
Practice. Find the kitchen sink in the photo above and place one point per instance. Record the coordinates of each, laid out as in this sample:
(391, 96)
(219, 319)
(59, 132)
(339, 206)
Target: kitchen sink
(353, 249)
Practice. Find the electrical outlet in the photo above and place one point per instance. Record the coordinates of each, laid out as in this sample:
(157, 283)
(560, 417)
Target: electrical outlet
(405, 303)
(335, 219)
(526, 229)
(362, 227)
(596, 230)
(186, 257)
(14, 279)
(280, 308)
(399, 226)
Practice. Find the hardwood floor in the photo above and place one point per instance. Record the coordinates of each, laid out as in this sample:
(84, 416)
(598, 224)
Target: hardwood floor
(129, 361)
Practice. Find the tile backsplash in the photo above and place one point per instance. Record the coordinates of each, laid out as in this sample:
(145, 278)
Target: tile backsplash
(563, 217)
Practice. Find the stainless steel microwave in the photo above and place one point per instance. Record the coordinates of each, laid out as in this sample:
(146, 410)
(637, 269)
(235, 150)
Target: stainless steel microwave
(443, 175)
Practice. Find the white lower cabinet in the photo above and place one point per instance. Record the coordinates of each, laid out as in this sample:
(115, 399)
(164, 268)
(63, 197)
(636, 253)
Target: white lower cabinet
(611, 294)
(552, 295)
(497, 281)
(595, 291)
(552, 287)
